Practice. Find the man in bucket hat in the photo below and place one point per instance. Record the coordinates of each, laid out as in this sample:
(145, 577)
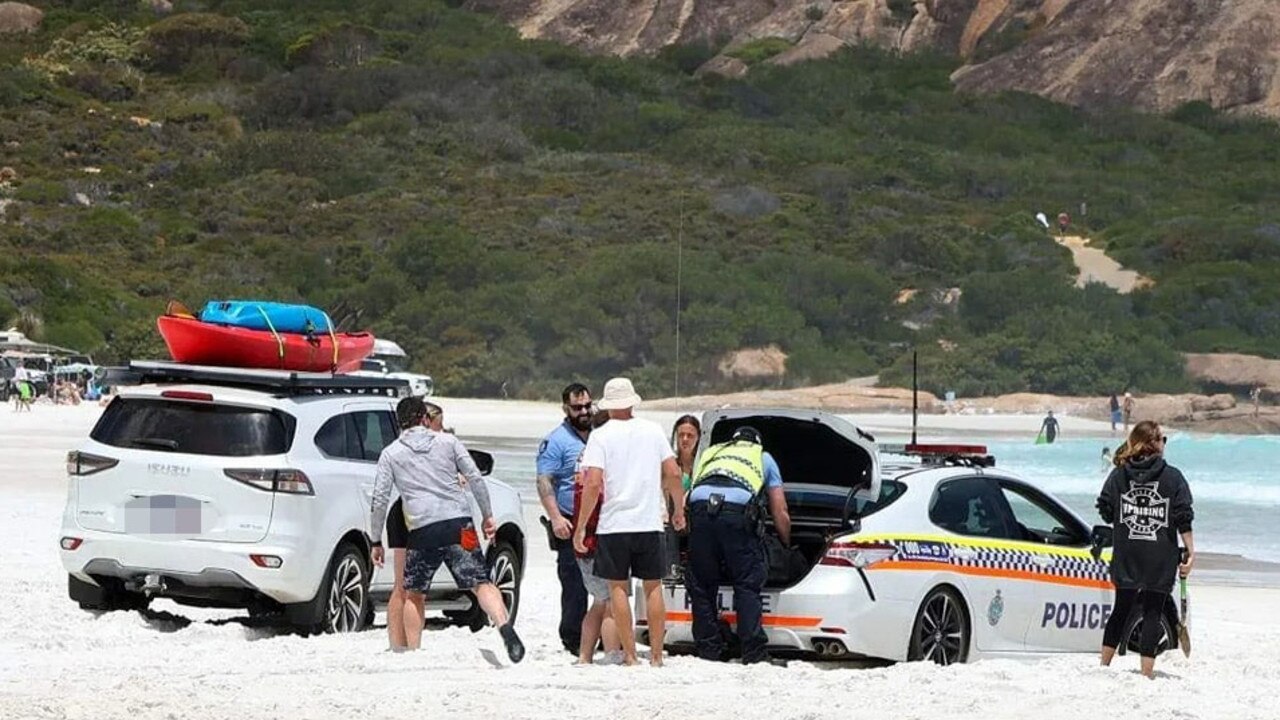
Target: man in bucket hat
(631, 461)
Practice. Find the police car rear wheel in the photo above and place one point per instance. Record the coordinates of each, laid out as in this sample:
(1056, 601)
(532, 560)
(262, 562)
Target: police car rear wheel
(941, 630)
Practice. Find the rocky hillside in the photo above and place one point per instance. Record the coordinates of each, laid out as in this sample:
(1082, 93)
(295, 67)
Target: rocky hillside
(518, 214)
(1151, 54)
(814, 27)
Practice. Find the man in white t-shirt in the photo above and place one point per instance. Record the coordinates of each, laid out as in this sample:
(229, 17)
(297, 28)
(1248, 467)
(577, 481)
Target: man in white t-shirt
(630, 460)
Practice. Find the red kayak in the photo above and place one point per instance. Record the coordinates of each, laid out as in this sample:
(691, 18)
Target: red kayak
(201, 343)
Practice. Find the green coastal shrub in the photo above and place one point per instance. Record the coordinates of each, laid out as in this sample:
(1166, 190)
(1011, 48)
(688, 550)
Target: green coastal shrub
(174, 42)
(42, 192)
(757, 51)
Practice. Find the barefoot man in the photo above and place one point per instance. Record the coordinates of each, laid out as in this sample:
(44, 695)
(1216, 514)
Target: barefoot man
(631, 460)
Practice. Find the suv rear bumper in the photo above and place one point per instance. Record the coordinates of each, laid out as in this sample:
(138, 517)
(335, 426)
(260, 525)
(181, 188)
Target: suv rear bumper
(220, 573)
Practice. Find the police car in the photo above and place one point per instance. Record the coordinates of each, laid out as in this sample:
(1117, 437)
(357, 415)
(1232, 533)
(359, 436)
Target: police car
(937, 555)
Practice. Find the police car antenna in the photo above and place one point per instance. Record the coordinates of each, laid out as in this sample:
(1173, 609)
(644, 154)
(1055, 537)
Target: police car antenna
(915, 398)
(679, 279)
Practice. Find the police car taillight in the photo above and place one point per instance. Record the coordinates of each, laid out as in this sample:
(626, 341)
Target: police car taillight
(857, 554)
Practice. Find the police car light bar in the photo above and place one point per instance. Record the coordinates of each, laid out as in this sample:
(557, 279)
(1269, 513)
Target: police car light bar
(943, 449)
(943, 452)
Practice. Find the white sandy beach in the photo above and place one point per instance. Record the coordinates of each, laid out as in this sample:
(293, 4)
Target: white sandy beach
(529, 420)
(58, 662)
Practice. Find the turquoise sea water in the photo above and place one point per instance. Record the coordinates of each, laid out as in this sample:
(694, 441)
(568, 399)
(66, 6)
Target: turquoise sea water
(1235, 481)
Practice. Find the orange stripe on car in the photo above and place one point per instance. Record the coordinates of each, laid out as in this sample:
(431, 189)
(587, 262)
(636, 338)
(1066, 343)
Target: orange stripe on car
(768, 620)
(991, 572)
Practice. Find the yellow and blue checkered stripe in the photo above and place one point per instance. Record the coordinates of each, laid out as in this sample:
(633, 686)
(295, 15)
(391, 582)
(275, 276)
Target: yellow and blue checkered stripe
(994, 558)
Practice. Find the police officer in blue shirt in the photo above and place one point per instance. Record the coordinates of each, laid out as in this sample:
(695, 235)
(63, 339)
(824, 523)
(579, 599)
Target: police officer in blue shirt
(557, 460)
(726, 533)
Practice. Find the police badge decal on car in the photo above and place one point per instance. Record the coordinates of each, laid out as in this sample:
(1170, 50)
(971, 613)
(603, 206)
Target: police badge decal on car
(995, 610)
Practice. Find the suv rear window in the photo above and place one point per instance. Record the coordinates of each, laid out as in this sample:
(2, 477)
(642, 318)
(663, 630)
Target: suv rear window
(194, 428)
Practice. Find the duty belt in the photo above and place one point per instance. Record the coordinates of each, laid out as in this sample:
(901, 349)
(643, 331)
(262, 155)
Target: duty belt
(731, 508)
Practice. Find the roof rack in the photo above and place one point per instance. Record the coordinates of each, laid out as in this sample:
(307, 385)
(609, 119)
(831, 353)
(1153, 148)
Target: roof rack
(944, 454)
(279, 382)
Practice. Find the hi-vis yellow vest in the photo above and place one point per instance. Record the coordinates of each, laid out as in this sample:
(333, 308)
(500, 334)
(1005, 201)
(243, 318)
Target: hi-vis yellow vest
(742, 463)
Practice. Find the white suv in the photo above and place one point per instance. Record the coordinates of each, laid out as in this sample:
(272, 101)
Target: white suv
(419, 384)
(250, 489)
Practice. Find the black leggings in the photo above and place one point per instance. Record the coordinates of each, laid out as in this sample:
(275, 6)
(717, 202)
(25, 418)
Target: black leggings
(1152, 608)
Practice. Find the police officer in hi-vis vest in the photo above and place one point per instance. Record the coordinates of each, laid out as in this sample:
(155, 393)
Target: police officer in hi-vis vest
(726, 535)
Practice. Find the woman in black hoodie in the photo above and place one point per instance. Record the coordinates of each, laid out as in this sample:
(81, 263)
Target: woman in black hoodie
(1149, 503)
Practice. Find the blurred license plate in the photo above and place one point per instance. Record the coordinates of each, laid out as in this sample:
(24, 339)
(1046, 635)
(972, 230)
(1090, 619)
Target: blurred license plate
(164, 515)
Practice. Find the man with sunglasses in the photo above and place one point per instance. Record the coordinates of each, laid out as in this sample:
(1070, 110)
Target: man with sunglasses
(557, 460)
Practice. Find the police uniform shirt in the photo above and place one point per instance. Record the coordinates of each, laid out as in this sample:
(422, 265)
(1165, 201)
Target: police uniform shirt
(558, 458)
(739, 495)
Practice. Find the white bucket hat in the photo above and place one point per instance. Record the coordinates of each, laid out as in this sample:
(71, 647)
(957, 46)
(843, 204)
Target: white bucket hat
(619, 395)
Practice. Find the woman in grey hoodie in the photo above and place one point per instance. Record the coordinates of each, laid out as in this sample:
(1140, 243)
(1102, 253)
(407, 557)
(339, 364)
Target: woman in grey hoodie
(1148, 502)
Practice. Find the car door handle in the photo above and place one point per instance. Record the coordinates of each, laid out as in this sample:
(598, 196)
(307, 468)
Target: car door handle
(965, 553)
(1043, 561)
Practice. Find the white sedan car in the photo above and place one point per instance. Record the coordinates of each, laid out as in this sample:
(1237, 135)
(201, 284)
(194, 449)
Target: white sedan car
(942, 557)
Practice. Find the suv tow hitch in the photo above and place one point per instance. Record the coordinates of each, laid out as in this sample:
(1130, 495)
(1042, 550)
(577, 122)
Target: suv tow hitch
(149, 584)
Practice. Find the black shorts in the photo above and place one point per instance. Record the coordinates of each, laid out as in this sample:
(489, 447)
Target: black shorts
(622, 556)
(442, 542)
(397, 530)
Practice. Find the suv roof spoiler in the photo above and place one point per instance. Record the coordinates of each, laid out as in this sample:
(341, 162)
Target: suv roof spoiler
(279, 382)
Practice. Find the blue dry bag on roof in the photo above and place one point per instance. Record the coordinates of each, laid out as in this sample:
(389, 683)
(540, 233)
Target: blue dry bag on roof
(255, 315)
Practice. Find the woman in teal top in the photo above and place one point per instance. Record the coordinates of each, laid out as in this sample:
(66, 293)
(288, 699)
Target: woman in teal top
(684, 437)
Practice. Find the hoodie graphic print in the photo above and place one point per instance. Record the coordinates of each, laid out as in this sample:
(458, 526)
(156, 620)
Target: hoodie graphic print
(1149, 503)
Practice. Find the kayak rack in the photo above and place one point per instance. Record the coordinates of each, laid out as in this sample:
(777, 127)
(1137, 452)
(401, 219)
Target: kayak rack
(279, 382)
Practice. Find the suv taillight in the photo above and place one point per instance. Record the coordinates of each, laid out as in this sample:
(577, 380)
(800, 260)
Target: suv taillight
(858, 554)
(293, 482)
(83, 463)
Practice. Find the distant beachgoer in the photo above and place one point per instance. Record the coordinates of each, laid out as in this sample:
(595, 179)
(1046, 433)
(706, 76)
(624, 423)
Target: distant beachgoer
(1128, 411)
(1256, 396)
(1049, 428)
(68, 393)
(23, 391)
(1064, 221)
(685, 436)
(24, 396)
(1116, 416)
(1106, 459)
(1148, 503)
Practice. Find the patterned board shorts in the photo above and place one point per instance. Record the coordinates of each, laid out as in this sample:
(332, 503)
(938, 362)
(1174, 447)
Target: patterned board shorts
(426, 552)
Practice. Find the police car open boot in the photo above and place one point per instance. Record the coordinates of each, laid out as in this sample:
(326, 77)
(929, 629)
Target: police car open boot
(515, 648)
